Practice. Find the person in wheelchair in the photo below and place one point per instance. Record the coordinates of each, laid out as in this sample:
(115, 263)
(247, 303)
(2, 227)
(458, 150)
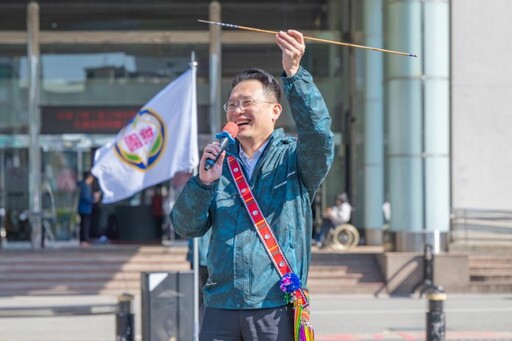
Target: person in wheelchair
(334, 216)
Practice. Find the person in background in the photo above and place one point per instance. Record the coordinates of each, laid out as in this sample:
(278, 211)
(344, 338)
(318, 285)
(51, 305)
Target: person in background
(157, 209)
(243, 296)
(334, 216)
(85, 202)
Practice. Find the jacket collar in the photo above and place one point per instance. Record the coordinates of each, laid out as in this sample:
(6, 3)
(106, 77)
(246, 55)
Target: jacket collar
(234, 149)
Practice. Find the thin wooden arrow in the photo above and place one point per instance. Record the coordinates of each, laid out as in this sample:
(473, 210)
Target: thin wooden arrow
(246, 28)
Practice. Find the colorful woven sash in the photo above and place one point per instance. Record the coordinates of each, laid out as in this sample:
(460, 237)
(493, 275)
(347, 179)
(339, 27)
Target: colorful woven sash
(290, 283)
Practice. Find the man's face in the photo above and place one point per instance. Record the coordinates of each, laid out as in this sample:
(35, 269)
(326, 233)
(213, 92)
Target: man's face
(256, 121)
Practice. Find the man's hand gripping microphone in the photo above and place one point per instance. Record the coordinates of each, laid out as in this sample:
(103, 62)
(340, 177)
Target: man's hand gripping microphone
(226, 137)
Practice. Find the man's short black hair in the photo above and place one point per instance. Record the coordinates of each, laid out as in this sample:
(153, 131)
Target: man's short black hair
(86, 174)
(270, 84)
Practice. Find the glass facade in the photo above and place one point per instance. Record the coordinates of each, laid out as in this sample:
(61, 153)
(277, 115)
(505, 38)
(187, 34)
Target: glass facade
(13, 91)
(100, 61)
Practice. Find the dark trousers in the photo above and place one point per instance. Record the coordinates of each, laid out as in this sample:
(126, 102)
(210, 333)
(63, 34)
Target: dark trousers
(270, 324)
(85, 227)
(327, 225)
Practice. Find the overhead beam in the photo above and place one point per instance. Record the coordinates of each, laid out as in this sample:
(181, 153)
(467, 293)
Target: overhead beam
(149, 37)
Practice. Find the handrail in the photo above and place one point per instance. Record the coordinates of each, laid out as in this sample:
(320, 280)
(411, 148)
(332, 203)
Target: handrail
(481, 225)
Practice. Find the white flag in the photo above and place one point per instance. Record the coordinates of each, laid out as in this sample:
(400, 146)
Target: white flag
(158, 142)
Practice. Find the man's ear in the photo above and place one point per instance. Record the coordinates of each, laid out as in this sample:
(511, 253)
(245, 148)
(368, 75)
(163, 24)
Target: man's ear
(276, 111)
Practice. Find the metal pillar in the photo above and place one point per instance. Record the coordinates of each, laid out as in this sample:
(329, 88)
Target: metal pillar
(417, 113)
(3, 193)
(215, 68)
(373, 125)
(34, 125)
(436, 106)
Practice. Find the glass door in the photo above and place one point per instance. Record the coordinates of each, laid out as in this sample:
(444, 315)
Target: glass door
(14, 193)
(59, 194)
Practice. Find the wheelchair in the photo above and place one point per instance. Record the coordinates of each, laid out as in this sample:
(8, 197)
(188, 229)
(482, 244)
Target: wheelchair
(342, 237)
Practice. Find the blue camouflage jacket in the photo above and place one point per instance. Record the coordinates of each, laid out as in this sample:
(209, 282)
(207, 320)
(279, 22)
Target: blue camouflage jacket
(285, 179)
(86, 199)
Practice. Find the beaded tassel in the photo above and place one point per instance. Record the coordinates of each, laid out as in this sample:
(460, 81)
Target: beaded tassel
(303, 331)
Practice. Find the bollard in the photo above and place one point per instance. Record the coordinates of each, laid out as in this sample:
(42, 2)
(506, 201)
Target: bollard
(124, 318)
(428, 264)
(427, 284)
(436, 322)
(3, 232)
(3, 237)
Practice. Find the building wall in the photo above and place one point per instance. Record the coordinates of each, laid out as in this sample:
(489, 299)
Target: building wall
(100, 61)
(481, 86)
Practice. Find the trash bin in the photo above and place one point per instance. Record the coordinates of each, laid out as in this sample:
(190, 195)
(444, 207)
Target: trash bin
(167, 304)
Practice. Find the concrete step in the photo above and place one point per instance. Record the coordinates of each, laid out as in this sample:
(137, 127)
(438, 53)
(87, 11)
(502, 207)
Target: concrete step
(490, 273)
(349, 272)
(482, 247)
(116, 268)
(491, 266)
(488, 287)
(498, 259)
(73, 286)
(51, 268)
(80, 259)
(342, 288)
(81, 276)
(95, 270)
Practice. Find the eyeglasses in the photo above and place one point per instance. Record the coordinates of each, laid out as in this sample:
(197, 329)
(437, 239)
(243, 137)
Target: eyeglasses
(243, 104)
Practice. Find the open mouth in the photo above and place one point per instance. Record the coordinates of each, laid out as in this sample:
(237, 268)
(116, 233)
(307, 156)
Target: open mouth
(242, 123)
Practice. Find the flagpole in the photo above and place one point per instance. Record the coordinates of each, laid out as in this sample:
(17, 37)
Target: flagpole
(195, 242)
(196, 288)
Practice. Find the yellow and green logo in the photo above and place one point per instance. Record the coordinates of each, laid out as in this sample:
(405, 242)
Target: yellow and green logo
(142, 141)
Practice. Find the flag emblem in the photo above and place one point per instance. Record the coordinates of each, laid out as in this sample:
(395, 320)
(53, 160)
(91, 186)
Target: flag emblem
(142, 141)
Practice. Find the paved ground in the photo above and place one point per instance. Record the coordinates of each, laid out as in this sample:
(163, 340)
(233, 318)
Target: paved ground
(468, 317)
(335, 317)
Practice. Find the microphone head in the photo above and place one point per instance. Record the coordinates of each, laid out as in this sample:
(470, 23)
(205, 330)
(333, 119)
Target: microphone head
(231, 128)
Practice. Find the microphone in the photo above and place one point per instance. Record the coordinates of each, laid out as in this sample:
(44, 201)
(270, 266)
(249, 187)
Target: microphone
(226, 137)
